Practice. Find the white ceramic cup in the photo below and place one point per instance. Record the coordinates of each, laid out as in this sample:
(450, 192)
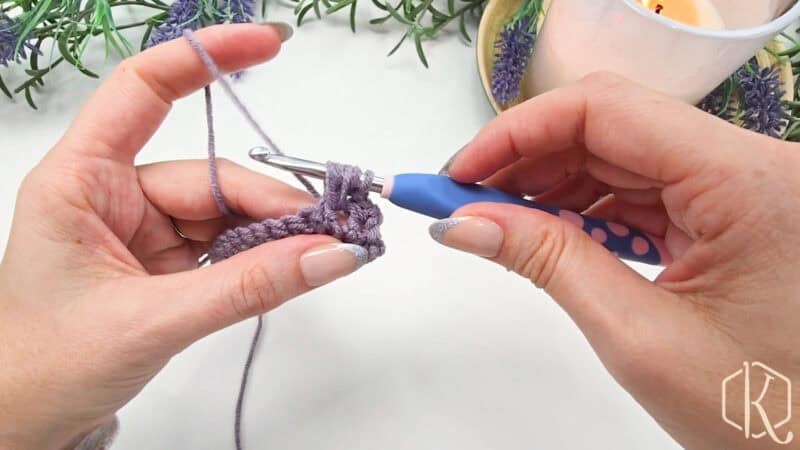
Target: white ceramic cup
(584, 36)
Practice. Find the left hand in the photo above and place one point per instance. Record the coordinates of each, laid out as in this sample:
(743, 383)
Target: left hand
(96, 294)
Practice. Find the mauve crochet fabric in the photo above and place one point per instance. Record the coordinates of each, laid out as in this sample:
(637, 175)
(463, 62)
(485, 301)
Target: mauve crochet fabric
(344, 211)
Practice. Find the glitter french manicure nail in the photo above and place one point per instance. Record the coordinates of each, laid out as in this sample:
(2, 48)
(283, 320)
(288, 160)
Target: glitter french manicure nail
(445, 170)
(474, 235)
(323, 264)
(284, 29)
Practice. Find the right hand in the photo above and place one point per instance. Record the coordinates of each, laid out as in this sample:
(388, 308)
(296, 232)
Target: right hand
(726, 200)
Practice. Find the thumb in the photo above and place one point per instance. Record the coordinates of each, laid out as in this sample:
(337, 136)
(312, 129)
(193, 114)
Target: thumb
(596, 289)
(184, 307)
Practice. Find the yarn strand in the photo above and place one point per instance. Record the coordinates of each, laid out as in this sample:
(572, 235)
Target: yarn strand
(344, 212)
(251, 353)
(213, 174)
(218, 77)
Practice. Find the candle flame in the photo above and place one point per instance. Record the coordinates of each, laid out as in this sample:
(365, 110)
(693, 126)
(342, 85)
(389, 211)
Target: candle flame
(652, 5)
(691, 12)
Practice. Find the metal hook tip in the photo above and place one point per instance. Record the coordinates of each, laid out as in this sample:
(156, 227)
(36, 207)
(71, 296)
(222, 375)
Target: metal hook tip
(260, 153)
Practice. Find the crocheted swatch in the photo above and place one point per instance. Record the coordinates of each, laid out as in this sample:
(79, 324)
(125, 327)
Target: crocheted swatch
(344, 211)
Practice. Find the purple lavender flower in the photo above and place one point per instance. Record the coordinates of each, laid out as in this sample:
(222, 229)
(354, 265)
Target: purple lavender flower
(717, 103)
(182, 14)
(514, 47)
(761, 104)
(239, 11)
(8, 41)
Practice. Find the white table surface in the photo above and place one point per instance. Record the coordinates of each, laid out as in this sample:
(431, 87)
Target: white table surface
(426, 348)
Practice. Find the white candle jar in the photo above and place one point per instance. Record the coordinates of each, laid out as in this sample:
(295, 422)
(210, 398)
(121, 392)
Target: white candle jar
(584, 36)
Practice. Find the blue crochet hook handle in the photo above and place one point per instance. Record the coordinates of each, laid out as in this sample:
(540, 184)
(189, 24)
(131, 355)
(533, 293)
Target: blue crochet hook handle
(439, 196)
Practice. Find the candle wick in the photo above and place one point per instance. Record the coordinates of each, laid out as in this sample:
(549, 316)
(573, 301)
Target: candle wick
(659, 8)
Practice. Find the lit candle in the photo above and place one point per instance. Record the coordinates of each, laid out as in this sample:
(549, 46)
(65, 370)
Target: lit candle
(698, 13)
(686, 56)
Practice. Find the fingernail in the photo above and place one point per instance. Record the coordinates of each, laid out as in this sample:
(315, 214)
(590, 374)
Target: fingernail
(323, 264)
(284, 29)
(475, 235)
(445, 170)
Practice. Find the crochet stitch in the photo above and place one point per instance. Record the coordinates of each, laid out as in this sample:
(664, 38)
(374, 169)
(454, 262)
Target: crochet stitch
(344, 212)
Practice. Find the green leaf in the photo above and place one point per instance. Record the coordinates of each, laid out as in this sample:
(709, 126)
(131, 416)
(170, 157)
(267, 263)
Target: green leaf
(33, 60)
(116, 40)
(110, 32)
(37, 72)
(437, 15)
(317, 12)
(36, 76)
(791, 130)
(353, 15)
(68, 55)
(398, 44)
(378, 4)
(431, 32)
(339, 5)
(157, 19)
(29, 98)
(302, 14)
(462, 27)
(730, 87)
(5, 90)
(30, 20)
(380, 20)
(420, 52)
(147, 32)
(393, 12)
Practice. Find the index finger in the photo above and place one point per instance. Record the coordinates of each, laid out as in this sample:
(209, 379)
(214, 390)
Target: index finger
(128, 108)
(609, 117)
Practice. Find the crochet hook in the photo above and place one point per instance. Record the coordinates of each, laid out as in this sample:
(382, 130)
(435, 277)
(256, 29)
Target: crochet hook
(438, 196)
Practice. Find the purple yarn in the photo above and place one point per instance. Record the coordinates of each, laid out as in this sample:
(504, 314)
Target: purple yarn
(344, 212)
(213, 176)
(217, 74)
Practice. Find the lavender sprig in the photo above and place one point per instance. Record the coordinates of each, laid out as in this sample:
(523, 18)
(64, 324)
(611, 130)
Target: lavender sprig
(67, 27)
(718, 102)
(514, 47)
(753, 99)
(193, 14)
(11, 50)
(238, 11)
(183, 14)
(762, 108)
(9, 37)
